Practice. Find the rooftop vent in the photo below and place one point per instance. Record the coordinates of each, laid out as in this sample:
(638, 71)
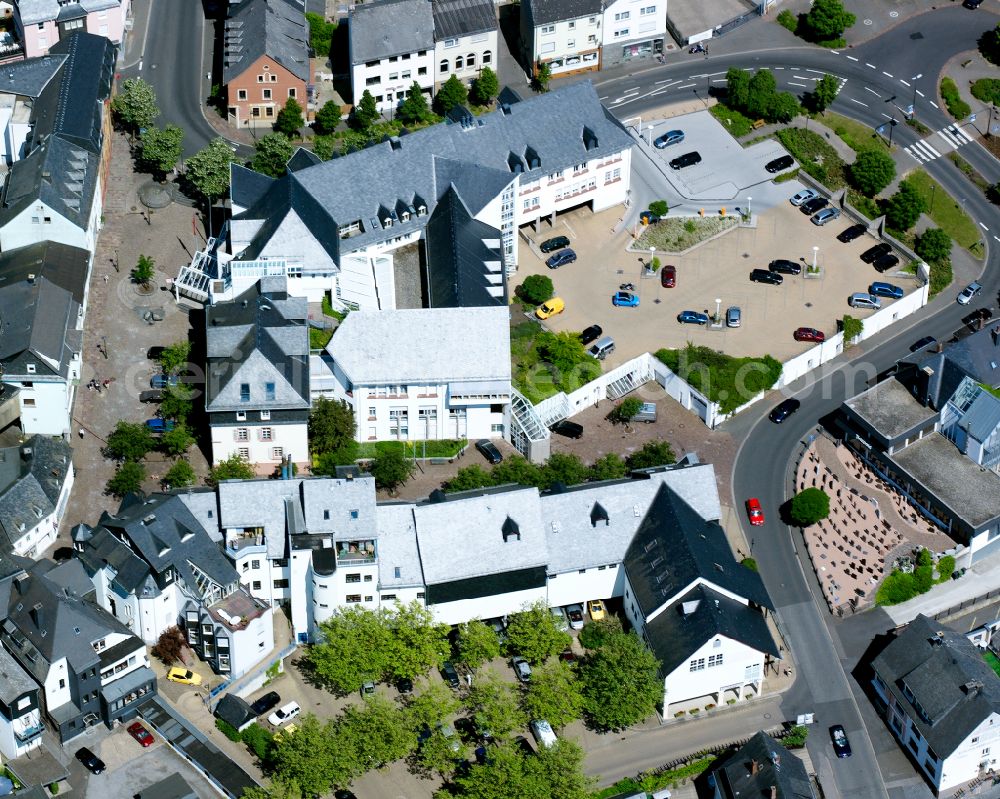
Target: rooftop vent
(599, 514)
(510, 529)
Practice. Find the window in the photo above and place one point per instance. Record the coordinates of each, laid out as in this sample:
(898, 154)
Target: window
(421, 70)
(621, 34)
(352, 578)
(265, 433)
(31, 368)
(443, 66)
(487, 57)
(266, 93)
(548, 29)
(256, 585)
(326, 514)
(354, 513)
(406, 75)
(265, 416)
(244, 453)
(29, 402)
(241, 416)
(393, 76)
(246, 566)
(281, 583)
(291, 92)
(644, 12)
(714, 660)
(241, 94)
(277, 453)
(255, 564)
(368, 578)
(351, 598)
(572, 25)
(622, 15)
(420, 594)
(242, 434)
(375, 80)
(269, 392)
(388, 597)
(697, 664)
(470, 61)
(451, 42)
(368, 598)
(570, 43)
(260, 79)
(458, 62)
(244, 392)
(62, 683)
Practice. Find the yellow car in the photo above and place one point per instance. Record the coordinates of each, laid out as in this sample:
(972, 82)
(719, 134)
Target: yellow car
(183, 676)
(596, 608)
(550, 308)
(281, 735)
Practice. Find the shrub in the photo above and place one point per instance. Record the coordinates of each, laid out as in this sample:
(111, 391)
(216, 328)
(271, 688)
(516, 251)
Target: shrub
(736, 123)
(659, 207)
(228, 730)
(852, 328)
(810, 506)
(535, 289)
(750, 563)
(815, 155)
(722, 378)
(796, 736)
(987, 90)
(786, 19)
(946, 567)
(872, 171)
(957, 107)
(169, 646)
(258, 740)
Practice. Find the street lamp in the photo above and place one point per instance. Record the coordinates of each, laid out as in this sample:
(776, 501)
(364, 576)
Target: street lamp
(815, 253)
(718, 309)
(913, 105)
(749, 198)
(652, 257)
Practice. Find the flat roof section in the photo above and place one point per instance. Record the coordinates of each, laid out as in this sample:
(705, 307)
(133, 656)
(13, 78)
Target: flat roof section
(890, 408)
(691, 17)
(971, 492)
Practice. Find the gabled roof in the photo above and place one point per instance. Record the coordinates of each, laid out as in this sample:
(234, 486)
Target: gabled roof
(102, 550)
(235, 711)
(544, 12)
(31, 479)
(976, 356)
(982, 417)
(14, 681)
(390, 27)
(30, 77)
(302, 158)
(85, 84)
(760, 765)
(953, 689)
(456, 18)
(273, 28)
(34, 11)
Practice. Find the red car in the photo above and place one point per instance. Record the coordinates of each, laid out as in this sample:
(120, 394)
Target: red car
(809, 334)
(754, 512)
(141, 734)
(668, 276)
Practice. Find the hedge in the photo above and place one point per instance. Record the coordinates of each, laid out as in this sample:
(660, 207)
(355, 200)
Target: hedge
(957, 107)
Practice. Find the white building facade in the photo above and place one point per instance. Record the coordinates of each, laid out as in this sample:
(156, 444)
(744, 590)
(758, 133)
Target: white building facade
(564, 36)
(632, 29)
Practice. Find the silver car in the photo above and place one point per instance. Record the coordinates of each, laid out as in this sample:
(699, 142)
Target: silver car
(804, 196)
(863, 299)
(733, 316)
(820, 218)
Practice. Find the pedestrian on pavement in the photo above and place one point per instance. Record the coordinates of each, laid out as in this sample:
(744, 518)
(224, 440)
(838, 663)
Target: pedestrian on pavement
(82, 433)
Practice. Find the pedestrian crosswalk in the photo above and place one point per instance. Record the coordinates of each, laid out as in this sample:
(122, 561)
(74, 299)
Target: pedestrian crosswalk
(938, 143)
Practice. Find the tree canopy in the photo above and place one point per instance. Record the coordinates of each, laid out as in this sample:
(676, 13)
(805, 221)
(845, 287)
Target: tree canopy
(320, 33)
(135, 105)
(365, 113)
(127, 479)
(391, 469)
(331, 426)
(828, 19)
(477, 643)
(933, 245)
(232, 468)
(129, 441)
(554, 694)
(823, 95)
(535, 289)
(289, 120)
(451, 94)
(621, 682)
(160, 149)
(495, 706)
(533, 634)
(810, 506)
(485, 87)
(271, 154)
(872, 171)
(414, 109)
(904, 208)
(652, 453)
(208, 169)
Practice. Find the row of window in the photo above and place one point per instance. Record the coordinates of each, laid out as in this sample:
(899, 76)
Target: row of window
(395, 58)
(571, 25)
(698, 664)
(277, 453)
(265, 94)
(263, 433)
(468, 62)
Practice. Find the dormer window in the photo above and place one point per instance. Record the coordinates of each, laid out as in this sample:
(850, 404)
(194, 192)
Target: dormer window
(241, 416)
(244, 392)
(30, 368)
(421, 210)
(269, 392)
(265, 416)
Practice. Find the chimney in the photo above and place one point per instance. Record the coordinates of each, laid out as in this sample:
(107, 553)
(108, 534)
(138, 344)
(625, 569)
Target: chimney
(31, 279)
(995, 334)
(37, 614)
(754, 766)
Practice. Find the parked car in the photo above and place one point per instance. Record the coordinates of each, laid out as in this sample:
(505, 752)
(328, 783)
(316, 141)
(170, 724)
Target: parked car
(559, 617)
(764, 276)
(625, 299)
(668, 138)
(890, 290)
(266, 703)
(734, 316)
(367, 689)
(561, 258)
(343, 793)
(183, 676)
(141, 734)
(647, 217)
(284, 714)
(553, 244)
(450, 674)
(602, 348)
(522, 669)
(692, 318)
(919, 344)
(543, 732)
(969, 293)
(852, 233)
(489, 450)
(840, 743)
(862, 299)
(784, 409)
(647, 413)
(155, 353)
(590, 334)
(500, 628)
(803, 196)
(596, 609)
(91, 762)
(810, 207)
(779, 164)
(160, 425)
(668, 276)
(886, 262)
(550, 308)
(568, 429)
(785, 267)
(688, 159)
(404, 685)
(162, 381)
(153, 395)
(872, 254)
(809, 334)
(824, 216)
(754, 512)
(575, 614)
(972, 4)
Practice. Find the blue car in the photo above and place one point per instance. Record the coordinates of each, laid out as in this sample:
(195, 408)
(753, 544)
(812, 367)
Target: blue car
(692, 318)
(625, 299)
(880, 289)
(561, 258)
(162, 381)
(668, 138)
(160, 425)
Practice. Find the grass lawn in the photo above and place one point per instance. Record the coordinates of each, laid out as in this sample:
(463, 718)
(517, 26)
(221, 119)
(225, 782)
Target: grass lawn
(993, 661)
(855, 135)
(815, 155)
(676, 234)
(444, 448)
(535, 377)
(947, 213)
(733, 121)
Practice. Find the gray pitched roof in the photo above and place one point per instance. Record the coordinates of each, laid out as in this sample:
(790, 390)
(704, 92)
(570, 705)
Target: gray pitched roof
(273, 28)
(103, 549)
(34, 11)
(235, 711)
(982, 417)
(759, 765)
(545, 11)
(29, 77)
(953, 689)
(455, 18)
(31, 479)
(14, 681)
(257, 339)
(976, 356)
(397, 547)
(85, 83)
(259, 503)
(390, 27)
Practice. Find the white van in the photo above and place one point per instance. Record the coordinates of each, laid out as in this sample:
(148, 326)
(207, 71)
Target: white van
(602, 348)
(543, 732)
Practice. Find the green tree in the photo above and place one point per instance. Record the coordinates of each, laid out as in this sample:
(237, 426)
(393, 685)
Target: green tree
(823, 95)
(505, 774)
(486, 87)
(331, 425)
(129, 441)
(565, 468)
(532, 633)
(608, 467)
(563, 350)
(177, 441)
(621, 683)
(783, 108)
(535, 289)
(323, 147)
(554, 694)
(391, 469)
(810, 506)
(828, 19)
(560, 769)
(142, 272)
(232, 468)
(761, 91)
(289, 120)
(271, 154)
(128, 479)
(432, 706)
(161, 149)
(320, 33)
(517, 469)
(414, 109)
(176, 402)
(495, 706)
(872, 171)
(737, 88)
(180, 475)
(208, 169)
(933, 245)
(328, 117)
(278, 789)
(594, 633)
(379, 732)
(311, 757)
(354, 646)
(652, 453)
(904, 207)
(469, 478)
(989, 45)
(625, 411)
(543, 74)
(659, 207)
(176, 357)
(365, 113)
(477, 644)
(418, 643)
(439, 752)
(327, 462)
(135, 105)
(451, 94)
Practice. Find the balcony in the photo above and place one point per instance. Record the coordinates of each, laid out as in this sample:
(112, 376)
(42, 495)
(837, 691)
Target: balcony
(241, 545)
(356, 553)
(28, 734)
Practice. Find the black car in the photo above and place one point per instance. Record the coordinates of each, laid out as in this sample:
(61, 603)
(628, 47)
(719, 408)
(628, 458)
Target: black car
(592, 333)
(840, 743)
(91, 762)
(885, 262)
(557, 243)
(810, 207)
(489, 451)
(784, 410)
(154, 353)
(926, 341)
(153, 395)
(973, 4)
(344, 794)
(568, 429)
(786, 267)
(688, 159)
(450, 674)
(404, 685)
(266, 703)
(852, 233)
(763, 276)
(872, 254)
(779, 164)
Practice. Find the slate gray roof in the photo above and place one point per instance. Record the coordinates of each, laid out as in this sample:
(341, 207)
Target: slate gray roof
(29, 77)
(397, 547)
(247, 186)
(172, 787)
(273, 28)
(954, 690)
(390, 27)
(982, 417)
(302, 158)
(204, 506)
(429, 346)
(976, 356)
(85, 83)
(456, 18)
(32, 477)
(564, 127)
(258, 338)
(39, 315)
(759, 765)
(14, 681)
(259, 503)
(545, 11)
(35, 11)
(102, 549)
(675, 547)
(890, 408)
(350, 505)
(235, 711)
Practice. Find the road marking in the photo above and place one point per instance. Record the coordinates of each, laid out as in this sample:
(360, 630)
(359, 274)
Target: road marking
(859, 102)
(996, 238)
(817, 71)
(887, 116)
(793, 83)
(870, 89)
(886, 74)
(779, 67)
(803, 77)
(851, 58)
(920, 92)
(686, 86)
(903, 82)
(633, 90)
(984, 227)
(668, 82)
(933, 104)
(872, 66)
(605, 97)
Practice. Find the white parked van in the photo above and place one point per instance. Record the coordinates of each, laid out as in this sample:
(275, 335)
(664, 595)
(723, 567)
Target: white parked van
(543, 732)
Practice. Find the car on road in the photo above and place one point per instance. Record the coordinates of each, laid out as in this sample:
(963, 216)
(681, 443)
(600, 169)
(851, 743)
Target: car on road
(785, 266)
(450, 674)
(522, 669)
(91, 762)
(160, 425)
(162, 381)
(668, 138)
(764, 276)
(784, 409)
(969, 293)
(183, 676)
(852, 233)
(824, 216)
(919, 344)
(810, 207)
(668, 276)
(779, 164)
(872, 254)
(734, 316)
(141, 734)
(553, 244)
(596, 609)
(568, 429)
(890, 290)
(561, 258)
(688, 159)
(803, 196)
(809, 334)
(625, 299)
(973, 4)
(489, 450)
(754, 512)
(284, 714)
(590, 334)
(692, 318)
(550, 308)
(575, 614)
(886, 262)
(151, 396)
(840, 743)
(862, 299)
(267, 702)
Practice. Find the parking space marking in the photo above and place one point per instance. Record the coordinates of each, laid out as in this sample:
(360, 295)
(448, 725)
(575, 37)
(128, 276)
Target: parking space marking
(793, 83)
(980, 225)
(920, 92)
(870, 89)
(886, 74)
(859, 102)
(804, 77)
(872, 66)
(851, 58)
(903, 82)
(686, 86)
(996, 238)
